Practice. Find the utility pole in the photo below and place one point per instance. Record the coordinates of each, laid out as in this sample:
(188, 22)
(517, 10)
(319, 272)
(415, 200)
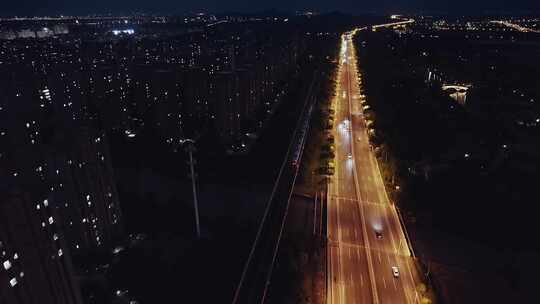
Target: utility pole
(190, 149)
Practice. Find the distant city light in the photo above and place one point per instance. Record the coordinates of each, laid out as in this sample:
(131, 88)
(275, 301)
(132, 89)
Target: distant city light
(118, 249)
(127, 31)
(7, 265)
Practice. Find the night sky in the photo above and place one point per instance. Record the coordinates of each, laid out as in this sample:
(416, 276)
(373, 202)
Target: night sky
(43, 7)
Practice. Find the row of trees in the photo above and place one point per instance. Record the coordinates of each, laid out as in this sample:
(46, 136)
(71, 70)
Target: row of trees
(318, 162)
(300, 256)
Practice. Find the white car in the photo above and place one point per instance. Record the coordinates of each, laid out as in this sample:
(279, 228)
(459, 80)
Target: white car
(395, 271)
(349, 156)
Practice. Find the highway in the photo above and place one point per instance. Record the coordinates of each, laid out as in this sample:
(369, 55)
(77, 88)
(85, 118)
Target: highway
(359, 264)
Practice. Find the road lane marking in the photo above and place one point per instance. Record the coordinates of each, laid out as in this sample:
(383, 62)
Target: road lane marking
(315, 215)
(340, 237)
(358, 193)
(359, 201)
(321, 213)
(342, 146)
(400, 228)
(331, 275)
(384, 282)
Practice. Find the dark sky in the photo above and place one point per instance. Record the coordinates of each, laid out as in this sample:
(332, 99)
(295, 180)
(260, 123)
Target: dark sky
(40, 7)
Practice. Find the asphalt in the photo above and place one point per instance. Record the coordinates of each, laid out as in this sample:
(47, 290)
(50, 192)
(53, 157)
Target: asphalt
(359, 263)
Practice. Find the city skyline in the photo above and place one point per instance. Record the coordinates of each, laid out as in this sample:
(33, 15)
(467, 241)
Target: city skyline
(170, 7)
(301, 157)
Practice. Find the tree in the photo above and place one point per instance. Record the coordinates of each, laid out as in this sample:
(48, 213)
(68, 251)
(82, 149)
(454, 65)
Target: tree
(425, 300)
(421, 288)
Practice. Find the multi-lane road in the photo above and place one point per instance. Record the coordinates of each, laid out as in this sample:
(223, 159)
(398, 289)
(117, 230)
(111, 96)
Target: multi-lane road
(360, 260)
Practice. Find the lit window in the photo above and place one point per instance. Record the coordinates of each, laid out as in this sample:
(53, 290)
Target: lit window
(7, 265)
(13, 282)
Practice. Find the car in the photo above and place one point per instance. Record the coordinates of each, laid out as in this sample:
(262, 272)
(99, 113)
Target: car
(395, 271)
(349, 156)
(378, 234)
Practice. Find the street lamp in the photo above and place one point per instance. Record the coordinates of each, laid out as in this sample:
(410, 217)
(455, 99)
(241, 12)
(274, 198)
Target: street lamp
(190, 148)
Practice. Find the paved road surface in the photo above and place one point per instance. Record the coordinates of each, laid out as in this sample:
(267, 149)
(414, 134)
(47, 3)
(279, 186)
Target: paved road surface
(359, 263)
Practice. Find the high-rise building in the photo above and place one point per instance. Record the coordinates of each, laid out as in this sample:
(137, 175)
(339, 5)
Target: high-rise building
(51, 145)
(225, 102)
(35, 264)
(80, 177)
(194, 94)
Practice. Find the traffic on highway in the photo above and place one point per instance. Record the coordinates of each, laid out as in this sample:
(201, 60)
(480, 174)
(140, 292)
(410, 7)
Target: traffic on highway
(369, 260)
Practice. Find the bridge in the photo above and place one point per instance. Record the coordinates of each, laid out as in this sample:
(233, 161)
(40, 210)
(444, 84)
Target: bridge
(393, 24)
(375, 27)
(516, 27)
(455, 87)
(457, 92)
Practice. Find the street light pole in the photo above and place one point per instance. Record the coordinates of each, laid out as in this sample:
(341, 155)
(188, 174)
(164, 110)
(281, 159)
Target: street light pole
(190, 148)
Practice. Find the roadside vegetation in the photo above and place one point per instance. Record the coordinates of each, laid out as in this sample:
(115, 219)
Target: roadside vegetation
(318, 159)
(457, 172)
(387, 140)
(300, 273)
